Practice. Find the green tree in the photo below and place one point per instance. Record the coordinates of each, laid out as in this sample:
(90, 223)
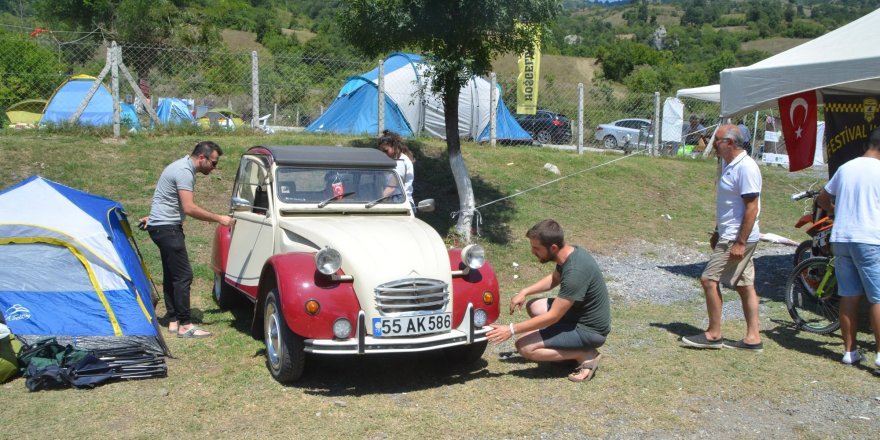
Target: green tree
(459, 38)
(26, 68)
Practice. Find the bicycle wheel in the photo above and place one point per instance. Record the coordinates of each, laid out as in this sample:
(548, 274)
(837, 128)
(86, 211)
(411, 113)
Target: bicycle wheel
(809, 311)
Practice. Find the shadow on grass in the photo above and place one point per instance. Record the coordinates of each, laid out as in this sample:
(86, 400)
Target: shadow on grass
(677, 328)
(351, 375)
(433, 180)
(829, 346)
(771, 274)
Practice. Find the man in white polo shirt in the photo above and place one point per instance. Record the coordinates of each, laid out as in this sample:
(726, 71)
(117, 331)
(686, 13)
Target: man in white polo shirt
(736, 236)
(855, 241)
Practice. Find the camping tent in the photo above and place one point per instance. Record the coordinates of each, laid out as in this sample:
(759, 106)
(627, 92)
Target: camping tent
(174, 111)
(221, 117)
(69, 269)
(25, 114)
(99, 111)
(411, 108)
(846, 60)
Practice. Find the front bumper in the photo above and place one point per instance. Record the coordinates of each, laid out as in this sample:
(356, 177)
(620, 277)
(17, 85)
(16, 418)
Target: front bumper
(362, 343)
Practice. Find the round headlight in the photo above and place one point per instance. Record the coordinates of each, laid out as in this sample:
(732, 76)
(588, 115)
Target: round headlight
(473, 256)
(342, 328)
(480, 318)
(328, 261)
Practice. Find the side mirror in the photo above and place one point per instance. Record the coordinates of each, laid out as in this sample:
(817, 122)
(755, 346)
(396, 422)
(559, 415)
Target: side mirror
(239, 204)
(426, 205)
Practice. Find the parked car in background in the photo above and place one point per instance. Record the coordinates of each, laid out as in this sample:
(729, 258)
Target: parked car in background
(546, 127)
(613, 134)
(332, 261)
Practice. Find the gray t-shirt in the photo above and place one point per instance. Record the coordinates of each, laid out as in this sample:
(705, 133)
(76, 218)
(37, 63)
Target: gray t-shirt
(582, 282)
(166, 209)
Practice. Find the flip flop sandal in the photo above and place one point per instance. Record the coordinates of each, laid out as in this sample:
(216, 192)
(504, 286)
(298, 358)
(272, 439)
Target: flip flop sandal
(191, 333)
(173, 330)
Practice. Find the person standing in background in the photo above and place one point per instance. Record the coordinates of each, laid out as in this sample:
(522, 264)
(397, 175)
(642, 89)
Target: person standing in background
(392, 145)
(737, 208)
(855, 242)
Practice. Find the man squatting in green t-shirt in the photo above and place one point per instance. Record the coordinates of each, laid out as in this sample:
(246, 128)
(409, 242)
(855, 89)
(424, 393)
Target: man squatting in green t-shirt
(572, 325)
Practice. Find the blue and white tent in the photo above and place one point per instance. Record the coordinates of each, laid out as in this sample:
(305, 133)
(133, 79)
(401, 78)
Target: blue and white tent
(99, 111)
(70, 269)
(174, 111)
(411, 107)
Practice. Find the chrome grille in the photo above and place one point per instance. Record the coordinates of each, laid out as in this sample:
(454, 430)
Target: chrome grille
(411, 295)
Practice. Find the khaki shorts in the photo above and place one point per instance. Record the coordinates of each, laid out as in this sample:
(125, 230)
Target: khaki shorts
(733, 272)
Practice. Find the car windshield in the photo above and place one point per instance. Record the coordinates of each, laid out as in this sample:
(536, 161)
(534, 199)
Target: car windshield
(316, 185)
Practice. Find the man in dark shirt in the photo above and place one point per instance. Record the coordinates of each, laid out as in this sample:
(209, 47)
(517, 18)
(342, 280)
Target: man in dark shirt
(575, 323)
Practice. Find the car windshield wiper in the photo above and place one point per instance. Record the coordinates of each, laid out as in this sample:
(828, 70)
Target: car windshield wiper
(334, 198)
(380, 200)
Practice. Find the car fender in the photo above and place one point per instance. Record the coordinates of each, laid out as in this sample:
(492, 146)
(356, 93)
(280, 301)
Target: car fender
(299, 281)
(220, 250)
(470, 288)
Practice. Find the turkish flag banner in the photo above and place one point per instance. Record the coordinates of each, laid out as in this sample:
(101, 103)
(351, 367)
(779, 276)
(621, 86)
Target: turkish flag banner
(798, 115)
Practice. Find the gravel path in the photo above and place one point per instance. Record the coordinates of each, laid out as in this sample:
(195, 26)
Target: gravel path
(667, 274)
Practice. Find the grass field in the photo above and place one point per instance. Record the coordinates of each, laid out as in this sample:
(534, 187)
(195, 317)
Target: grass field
(648, 386)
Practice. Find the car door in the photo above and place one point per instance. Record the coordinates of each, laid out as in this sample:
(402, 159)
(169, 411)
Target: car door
(252, 238)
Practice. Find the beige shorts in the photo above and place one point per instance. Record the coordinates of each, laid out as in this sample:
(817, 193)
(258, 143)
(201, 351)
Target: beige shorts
(725, 269)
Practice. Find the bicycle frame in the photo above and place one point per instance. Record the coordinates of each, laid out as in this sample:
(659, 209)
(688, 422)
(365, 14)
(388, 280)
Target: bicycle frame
(828, 280)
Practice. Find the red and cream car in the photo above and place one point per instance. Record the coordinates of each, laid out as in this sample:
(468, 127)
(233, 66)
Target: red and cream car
(333, 260)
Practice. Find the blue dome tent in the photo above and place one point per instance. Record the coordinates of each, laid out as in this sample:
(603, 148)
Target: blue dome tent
(410, 107)
(70, 269)
(99, 111)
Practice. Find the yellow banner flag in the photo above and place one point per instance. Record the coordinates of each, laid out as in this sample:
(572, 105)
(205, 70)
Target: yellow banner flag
(527, 81)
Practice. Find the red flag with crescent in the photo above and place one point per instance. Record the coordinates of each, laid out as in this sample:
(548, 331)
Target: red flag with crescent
(798, 115)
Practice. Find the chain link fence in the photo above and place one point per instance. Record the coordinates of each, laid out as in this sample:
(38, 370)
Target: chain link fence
(287, 92)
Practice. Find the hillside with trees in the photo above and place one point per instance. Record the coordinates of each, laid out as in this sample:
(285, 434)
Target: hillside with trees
(639, 46)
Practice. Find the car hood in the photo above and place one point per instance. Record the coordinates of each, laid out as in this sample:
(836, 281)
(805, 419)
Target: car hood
(374, 250)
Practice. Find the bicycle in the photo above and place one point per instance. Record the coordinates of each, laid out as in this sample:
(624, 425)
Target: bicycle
(811, 296)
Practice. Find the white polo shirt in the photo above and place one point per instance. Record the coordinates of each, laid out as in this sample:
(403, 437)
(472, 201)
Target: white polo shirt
(856, 187)
(740, 178)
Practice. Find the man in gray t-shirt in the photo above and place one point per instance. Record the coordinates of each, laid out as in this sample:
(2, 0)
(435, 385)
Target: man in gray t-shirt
(172, 202)
(575, 323)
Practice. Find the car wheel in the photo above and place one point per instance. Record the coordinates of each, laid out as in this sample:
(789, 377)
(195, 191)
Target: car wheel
(465, 354)
(225, 296)
(543, 137)
(610, 142)
(285, 354)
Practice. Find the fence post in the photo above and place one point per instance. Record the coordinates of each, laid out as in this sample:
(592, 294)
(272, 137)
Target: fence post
(493, 109)
(114, 86)
(580, 143)
(381, 122)
(655, 146)
(255, 89)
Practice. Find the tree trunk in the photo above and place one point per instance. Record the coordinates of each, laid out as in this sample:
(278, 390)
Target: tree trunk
(456, 162)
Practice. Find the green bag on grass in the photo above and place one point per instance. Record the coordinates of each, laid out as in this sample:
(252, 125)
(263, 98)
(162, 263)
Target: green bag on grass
(8, 358)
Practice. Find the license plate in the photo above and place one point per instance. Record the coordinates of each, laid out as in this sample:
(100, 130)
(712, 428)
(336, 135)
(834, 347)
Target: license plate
(412, 325)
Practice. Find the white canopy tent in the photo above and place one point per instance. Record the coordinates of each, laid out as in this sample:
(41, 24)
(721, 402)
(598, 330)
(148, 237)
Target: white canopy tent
(706, 93)
(846, 60)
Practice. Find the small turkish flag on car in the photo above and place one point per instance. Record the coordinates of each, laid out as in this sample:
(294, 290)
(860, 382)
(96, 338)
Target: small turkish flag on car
(338, 189)
(798, 114)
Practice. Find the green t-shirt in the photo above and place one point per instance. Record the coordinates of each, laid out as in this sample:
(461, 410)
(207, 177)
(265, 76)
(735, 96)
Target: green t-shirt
(582, 282)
